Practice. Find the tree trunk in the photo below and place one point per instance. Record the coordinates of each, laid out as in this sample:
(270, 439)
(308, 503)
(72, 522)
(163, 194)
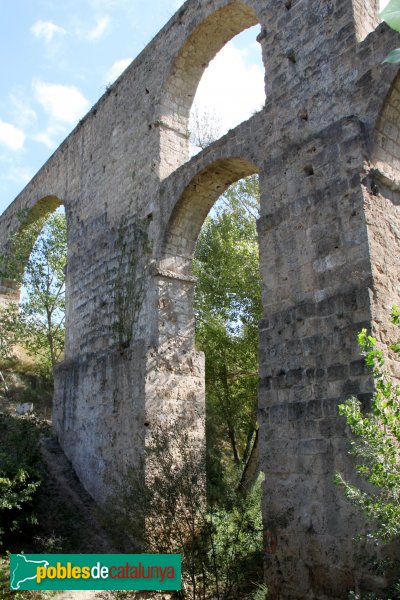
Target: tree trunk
(231, 429)
(251, 469)
(232, 439)
(4, 382)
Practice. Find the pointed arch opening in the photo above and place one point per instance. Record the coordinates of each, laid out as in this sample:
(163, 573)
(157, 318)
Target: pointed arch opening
(176, 101)
(33, 317)
(386, 146)
(381, 189)
(230, 91)
(193, 207)
(209, 303)
(28, 223)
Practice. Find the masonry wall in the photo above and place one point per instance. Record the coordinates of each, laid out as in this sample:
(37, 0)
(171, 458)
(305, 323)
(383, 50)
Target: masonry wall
(328, 235)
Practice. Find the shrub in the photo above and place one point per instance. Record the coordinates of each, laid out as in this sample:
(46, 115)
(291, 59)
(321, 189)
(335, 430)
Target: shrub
(19, 479)
(376, 442)
(376, 445)
(220, 547)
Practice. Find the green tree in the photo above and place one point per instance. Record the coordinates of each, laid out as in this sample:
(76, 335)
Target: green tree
(220, 539)
(227, 311)
(8, 339)
(37, 323)
(391, 15)
(19, 476)
(376, 445)
(376, 442)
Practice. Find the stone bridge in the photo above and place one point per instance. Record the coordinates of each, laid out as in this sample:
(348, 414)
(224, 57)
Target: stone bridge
(325, 146)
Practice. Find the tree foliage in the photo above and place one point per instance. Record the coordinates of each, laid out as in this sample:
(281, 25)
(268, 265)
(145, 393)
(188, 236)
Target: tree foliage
(19, 247)
(37, 323)
(227, 312)
(220, 534)
(376, 443)
(391, 15)
(19, 475)
(166, 511)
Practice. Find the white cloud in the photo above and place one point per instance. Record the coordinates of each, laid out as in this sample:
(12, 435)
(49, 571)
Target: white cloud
(99, 29)
(231, 88)
(23, 113)
(18, 174)
(46, 30)
(14, 176)
(63, 102)
(51, 136)
(11, 136)
(117, 68)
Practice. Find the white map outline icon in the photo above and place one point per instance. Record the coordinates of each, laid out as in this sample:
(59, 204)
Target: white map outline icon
(14, 586)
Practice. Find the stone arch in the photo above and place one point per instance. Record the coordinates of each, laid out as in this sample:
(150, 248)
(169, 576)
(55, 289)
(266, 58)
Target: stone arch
(177, 368)
(17, 248)
(199, 48)
(385, 155)
(381, 190)
(192, 208)
(34, 216)
(175, 286)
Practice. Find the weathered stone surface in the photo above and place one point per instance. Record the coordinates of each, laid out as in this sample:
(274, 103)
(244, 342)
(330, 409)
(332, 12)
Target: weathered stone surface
(325, 146)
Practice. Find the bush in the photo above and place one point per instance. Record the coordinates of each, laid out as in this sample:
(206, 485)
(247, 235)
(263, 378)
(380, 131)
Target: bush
(236, 544)
(19, 478)
(220, 547)
(376, 445)
(25, 383)
(376, 441)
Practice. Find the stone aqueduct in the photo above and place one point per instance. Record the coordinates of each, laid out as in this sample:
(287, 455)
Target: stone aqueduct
(326, 148)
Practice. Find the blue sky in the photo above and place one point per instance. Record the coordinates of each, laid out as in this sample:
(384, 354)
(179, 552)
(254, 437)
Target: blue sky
(57, 58)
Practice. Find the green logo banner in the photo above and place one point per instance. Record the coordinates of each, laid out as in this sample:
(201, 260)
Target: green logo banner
(95, 572)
